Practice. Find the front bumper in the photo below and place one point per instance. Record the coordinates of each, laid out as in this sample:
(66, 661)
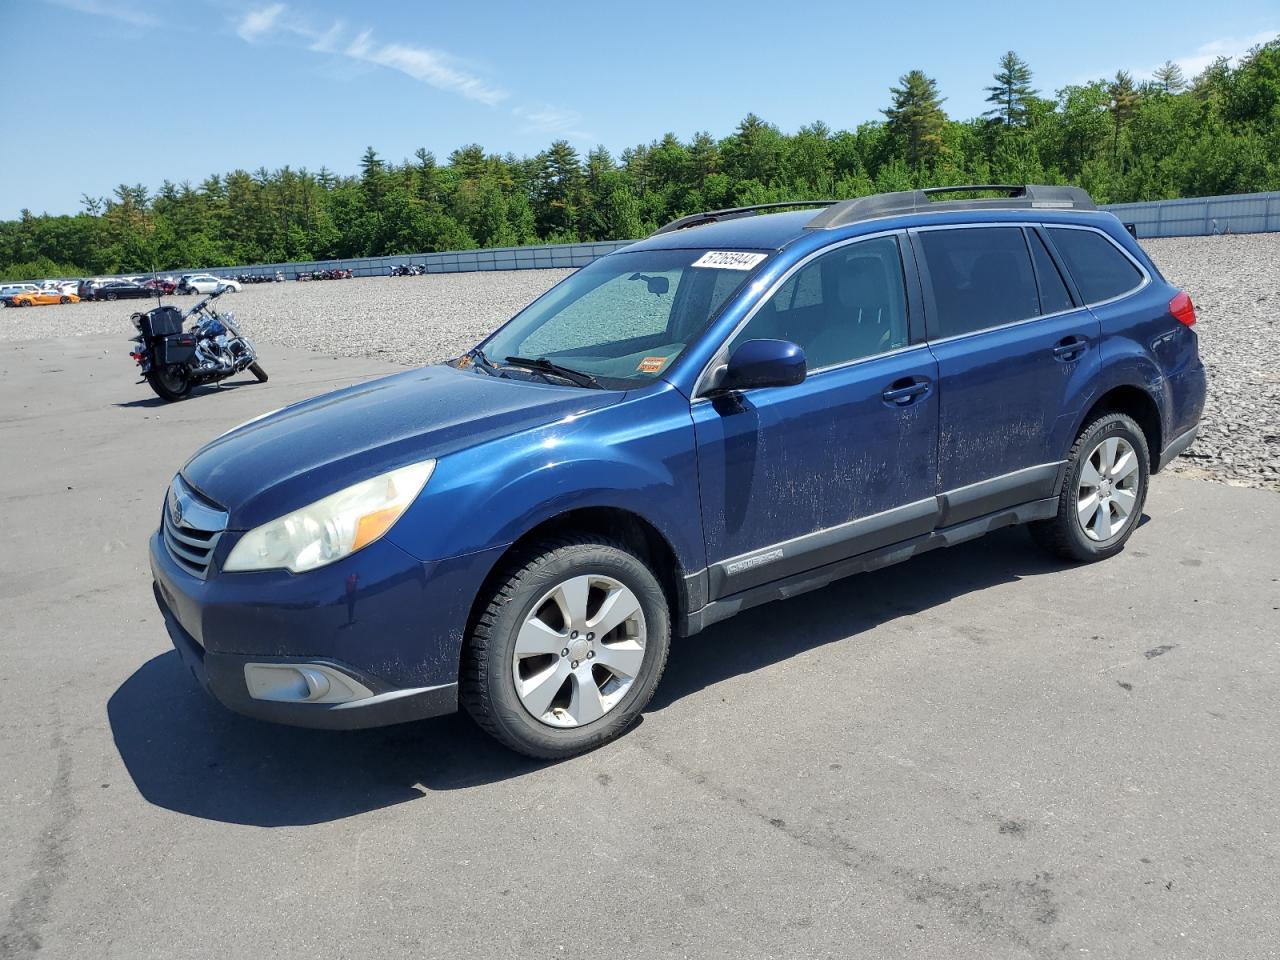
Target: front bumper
(390, 623)
(223, 676)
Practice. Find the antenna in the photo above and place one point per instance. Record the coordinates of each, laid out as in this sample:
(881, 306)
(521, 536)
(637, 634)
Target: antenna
(159, 288)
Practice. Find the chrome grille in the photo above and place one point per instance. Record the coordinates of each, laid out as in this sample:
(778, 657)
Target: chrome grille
(191, 528)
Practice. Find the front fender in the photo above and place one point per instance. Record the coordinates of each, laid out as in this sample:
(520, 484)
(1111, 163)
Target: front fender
(637, 455)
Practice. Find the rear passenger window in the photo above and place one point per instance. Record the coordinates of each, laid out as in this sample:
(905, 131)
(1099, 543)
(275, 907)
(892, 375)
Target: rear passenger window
(842, 306)
(1053, 291)
(1098, 267)
(981, 277)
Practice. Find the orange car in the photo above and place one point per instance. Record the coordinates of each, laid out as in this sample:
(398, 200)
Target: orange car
(34, 298)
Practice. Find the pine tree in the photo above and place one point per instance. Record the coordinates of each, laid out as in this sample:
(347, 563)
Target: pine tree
(1169, 77)
(916, 120)
(1011, 90)
(1123, 97)
(371, 175)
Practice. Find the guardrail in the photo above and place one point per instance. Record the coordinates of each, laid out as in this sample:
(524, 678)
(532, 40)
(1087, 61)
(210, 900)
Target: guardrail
(1191, 217)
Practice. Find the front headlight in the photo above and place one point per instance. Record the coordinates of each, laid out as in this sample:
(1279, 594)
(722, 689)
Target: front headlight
(332, 528)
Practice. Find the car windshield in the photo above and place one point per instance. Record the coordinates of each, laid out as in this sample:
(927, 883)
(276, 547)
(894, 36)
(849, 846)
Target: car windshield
(627, 317)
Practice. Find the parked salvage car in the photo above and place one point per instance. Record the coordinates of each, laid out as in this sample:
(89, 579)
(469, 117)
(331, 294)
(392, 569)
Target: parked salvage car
(204, 283)
(744, 406)
(36, 298)
(162, 285)
(11, 290)
(121, 290)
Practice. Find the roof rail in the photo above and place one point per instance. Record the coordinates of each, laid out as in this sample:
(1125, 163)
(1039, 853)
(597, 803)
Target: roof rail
(732, 213)
(917, 201)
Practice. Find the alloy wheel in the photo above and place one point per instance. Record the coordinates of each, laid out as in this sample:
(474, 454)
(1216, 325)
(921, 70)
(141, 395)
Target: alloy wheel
(1108, 489)
(579, 650)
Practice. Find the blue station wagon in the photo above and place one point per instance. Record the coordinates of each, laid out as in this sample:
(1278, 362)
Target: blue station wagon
(746, 405)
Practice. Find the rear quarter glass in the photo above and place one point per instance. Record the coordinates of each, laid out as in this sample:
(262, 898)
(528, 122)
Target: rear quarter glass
(1100, 270)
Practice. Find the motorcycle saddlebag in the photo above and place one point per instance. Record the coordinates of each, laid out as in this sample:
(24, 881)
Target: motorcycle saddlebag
(161, 322)
(178, 348)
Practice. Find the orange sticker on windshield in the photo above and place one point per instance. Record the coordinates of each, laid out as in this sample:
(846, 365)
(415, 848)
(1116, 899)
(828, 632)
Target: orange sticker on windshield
(651, 364)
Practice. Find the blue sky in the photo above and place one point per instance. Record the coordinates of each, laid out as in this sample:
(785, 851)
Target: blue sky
(111, 91)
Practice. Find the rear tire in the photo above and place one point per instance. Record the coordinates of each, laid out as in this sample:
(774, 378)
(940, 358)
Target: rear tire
(1103, 494)
(171, 384)
(111, 296)
(586, 690)
(256, 369)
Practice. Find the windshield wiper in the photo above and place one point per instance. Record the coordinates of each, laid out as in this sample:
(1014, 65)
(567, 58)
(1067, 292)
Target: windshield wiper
(543, 365)
(481, 362)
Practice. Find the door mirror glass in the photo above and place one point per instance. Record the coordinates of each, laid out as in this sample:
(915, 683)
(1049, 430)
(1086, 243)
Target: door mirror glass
(763, 363)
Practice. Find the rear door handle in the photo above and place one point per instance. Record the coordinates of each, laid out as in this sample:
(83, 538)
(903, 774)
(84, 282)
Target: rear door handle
(1069, 348)
(905, 391)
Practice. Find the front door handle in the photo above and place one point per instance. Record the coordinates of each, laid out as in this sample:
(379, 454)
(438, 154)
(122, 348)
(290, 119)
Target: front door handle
(905, 391)
(1070, 348)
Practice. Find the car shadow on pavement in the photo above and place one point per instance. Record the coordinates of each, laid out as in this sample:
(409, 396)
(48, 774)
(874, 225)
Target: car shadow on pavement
(188, 754)
(848, 608)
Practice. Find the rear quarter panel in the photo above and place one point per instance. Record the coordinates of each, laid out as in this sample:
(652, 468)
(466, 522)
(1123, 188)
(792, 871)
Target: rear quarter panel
(1144, 345)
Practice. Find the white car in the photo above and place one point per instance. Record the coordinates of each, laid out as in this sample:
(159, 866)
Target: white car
(204, 283)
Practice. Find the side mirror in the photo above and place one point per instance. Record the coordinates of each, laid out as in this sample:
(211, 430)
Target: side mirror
(762, 363)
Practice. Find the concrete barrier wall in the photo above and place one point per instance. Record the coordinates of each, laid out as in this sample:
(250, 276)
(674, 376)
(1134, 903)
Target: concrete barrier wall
(541, 257)
(1203, 216)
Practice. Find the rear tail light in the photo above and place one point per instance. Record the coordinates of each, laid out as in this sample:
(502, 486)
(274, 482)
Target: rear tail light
(1183, 310)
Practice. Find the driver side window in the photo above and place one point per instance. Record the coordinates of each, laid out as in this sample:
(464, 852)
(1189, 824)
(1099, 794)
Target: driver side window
(842, 306)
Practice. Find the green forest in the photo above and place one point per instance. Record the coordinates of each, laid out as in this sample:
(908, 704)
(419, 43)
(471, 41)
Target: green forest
(1121, 139)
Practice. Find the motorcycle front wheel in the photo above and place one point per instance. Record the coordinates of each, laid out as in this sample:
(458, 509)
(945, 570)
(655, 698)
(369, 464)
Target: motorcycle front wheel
(256, 369)
(170, 383)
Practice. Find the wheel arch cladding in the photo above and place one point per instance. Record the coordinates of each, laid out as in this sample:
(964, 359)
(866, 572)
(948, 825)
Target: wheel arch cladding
(612, 525)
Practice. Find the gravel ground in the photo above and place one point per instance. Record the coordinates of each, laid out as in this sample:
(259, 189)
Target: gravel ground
(1234, 281)
(1235, 284)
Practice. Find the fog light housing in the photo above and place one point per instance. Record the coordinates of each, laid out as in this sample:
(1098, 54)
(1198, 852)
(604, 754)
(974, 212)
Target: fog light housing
(302, 683)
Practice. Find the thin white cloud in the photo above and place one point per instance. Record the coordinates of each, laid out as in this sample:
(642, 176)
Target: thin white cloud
(1205, 54)
(327, 42)
(113, 11)
(549, 119)
(432, 67)
(257, 24)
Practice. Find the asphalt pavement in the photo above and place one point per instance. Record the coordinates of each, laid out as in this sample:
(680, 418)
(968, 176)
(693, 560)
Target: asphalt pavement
(979, 753)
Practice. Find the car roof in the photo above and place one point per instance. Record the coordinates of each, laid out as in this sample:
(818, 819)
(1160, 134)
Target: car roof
(771, 231)
(759, 228)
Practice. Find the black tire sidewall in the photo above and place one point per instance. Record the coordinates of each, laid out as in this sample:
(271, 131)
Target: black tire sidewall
(163, 391)
(1109, 425)
(504, 714)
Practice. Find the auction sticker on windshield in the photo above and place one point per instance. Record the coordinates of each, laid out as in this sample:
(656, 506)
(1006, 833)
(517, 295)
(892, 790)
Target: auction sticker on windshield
(729, 259)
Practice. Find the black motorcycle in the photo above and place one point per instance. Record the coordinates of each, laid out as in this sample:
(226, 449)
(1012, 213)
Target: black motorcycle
(174, 360)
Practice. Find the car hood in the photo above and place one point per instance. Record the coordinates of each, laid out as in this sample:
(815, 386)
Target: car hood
(294, 456)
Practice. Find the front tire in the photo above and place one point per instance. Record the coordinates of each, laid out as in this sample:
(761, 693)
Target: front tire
(569, 648)
(256, 369)
(170, 383)
(1102, 497)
